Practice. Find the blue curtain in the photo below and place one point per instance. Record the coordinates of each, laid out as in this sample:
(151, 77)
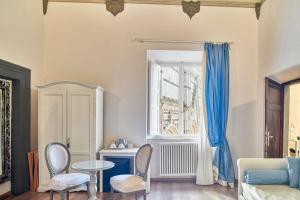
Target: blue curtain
(216, 98)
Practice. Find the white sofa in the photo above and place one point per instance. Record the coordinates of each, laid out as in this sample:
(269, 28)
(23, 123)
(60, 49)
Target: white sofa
(263, 192)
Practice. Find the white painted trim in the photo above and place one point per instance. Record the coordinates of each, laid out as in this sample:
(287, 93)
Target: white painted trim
(173, 137)
(91, 86)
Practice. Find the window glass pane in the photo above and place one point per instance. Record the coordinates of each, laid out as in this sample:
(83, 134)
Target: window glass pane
(192, 99)
(169, 100)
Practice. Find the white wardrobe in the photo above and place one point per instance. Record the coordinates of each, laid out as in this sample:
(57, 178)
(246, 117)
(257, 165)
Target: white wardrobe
(71, 113)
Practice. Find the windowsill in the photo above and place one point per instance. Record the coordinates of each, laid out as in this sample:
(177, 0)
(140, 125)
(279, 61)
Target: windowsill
(172, 137)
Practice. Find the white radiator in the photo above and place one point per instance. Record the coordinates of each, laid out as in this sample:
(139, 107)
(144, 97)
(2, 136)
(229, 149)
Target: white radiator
(178, 158)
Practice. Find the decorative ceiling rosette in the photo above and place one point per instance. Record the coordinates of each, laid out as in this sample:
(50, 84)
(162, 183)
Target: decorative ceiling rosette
(190, 7)
(114, 6)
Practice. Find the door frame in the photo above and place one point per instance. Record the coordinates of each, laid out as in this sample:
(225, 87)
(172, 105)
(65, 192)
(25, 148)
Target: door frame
(283, 85)
(20, 124)
(291, 82)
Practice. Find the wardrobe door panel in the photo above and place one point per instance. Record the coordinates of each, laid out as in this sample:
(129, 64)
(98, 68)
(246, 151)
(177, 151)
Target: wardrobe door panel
(81, 125)
(52, 115)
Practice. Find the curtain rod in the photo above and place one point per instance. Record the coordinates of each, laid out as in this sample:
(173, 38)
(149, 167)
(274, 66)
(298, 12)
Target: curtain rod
(175, 41)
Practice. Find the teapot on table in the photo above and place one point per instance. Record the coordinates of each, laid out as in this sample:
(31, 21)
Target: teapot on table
(122, 143)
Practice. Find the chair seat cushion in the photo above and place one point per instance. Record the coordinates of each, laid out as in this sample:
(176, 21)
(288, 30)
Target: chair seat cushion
(63, 181)
(127, 183)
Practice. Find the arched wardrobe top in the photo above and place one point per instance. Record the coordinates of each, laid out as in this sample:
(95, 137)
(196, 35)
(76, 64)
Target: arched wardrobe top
(70, 83)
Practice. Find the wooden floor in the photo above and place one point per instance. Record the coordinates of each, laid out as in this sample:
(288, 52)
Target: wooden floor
(159, 190)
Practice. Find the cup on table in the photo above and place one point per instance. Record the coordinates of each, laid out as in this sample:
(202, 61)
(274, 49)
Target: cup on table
(112, 146)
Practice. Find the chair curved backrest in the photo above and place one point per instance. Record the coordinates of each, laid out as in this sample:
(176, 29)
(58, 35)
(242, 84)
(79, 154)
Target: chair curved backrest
(142, 161)
(58, 158)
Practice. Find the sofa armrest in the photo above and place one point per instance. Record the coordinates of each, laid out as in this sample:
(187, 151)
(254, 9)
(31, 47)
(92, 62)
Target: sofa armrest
(257, 163)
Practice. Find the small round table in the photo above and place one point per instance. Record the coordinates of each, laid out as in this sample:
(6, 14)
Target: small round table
(92, 166)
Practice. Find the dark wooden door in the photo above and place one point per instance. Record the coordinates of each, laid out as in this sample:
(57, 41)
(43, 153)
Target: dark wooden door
(273, 119)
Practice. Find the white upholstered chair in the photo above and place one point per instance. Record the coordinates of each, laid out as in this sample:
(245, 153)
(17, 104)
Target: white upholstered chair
(58, 161)
(129, 183)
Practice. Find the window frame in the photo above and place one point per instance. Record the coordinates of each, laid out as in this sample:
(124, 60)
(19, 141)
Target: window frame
(181, 135)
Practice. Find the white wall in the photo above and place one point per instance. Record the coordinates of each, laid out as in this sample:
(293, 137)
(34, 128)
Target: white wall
(279, 49)
(21, 32)
(84, 42)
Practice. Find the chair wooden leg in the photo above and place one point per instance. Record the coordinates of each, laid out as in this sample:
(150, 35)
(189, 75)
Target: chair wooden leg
(62, 195)
(111, 193)
(51, 194)
(145, 195)
(68, 195)
(88, 190)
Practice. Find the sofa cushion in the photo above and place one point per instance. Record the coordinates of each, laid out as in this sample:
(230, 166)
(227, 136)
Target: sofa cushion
(269, 192)
(267, 177)
(294, 171)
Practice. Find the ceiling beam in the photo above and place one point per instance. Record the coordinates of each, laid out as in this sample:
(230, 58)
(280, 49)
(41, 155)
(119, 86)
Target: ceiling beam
(256, 4)
(222, 3)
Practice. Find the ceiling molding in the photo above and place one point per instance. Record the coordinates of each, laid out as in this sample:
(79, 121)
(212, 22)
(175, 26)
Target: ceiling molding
(256, 4)
(222, 3)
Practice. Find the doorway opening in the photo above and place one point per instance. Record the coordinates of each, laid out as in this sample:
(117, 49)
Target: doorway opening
(291, 130)
(282, 119)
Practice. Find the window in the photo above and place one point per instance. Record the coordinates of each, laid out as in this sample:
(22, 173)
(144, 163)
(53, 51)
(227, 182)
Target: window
(174, 93)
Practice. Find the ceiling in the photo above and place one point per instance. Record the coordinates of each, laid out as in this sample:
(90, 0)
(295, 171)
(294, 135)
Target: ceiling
(223, 3)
